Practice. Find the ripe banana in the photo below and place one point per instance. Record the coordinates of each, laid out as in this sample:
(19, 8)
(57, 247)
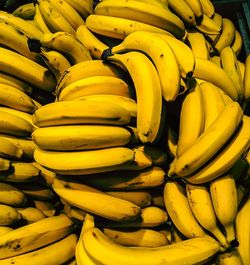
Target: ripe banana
(5, 230)
(142, 12)
(229, 258)
(11, 195)
(172, 141)
(31, 72)
(4, 164)
(227, 35)
(148, 92)
(243, 231)
(80, 137)
(198, 45)
(216, 76)
(47, 175)
(224, 197)
(202, 208)
(161, 54)
(237, 43)
(47, 208)
(217, 20)
(10, 150)
(39, 20)
(208, 26)
(107, 252)
(30, 214)
(196, 6)
(56, 253)
(179, 210)
(8, 216)
(25, 11)
(229, 63)
(95, 85)
(95, 201)
(84, 8)
(192, 112)
(226, 158)
(242, 69)
(207, 8)
(247, 79)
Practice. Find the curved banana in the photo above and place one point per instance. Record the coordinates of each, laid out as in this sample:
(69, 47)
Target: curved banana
(242, 69)
(4, 164)
(183, 10)
(229, 63)
(210, 141)
(95, 201)
(118, 27)
(5, 230)
(162, 56)
(47, 208)
(211, 72)
(215, 59)
(80, 112)
(237, 43)
(142, 12)
(243, 231)
(31, 72)
(229, 258)
(207, 8)
(8, 216)
(30, 214)
(53, 18)
(21, 25)
(208, 26)
(95, 85)
(39, 20)
(224, 197)
(217, 20)
(202, 208)
(179, 210)
(84, 8)
(10, 150)
(227, 35)
(192, 112)
(148, 92)
(25, 11)
(172, 141)
(80, 137)
(196, 6)
(55, 253)
(107, 252)
(247, 79)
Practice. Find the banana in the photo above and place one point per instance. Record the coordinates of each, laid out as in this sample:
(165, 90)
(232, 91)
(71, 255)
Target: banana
(237, 43)
(202, 208)
(213, 103)
(172, 141)
(179, 210)
(142, 12)
(56, 62)
(207, 8)
(217, 20)
(5, 230)
(155, 3)
(80, 137)
(11, 195)
(14, 39)
(208, 26)
(139, 238)
(56, 253)
(118, 27)
(216, 59)
(127, 103)
(4, 164)
(25, 11)
(227, 35)
(162, 56)
(31, 72)
(197, 43)
(66, 44)
(16, 99)
(47, 175)
(243, 232)
(148, 92)
(247, 79)
(229, 258)
(183, 10)
(210, 141)
(216, 76)
(242, 69)
(30, 214)
(84, 8)
(241, 192)
(224, 197)
(91, 42)
(68, 12)
(229, 63)
(8, 216)
(175, 235)
(196, 6)
(107, 252)
(77, 214)
(95, 201)
(10, 150)
(80, 112)
(87, 69)
(53, 18)
(21, 25)
(192, 112)
(128, 180)
(95, 85)
(47, 208)
(39, 20)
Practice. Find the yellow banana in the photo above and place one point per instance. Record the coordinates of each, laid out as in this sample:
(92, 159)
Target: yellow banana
(224, 197)
(47, 175)
(39, 20)
(172, 141)
(25, 11)
(5, 230)
(4, 164)
(237, 43)
(47, 208)
(192, 112)
(10, 150)
(227, 35)
(197, 43)
(30, 214)
(214, 37)
(210, 141)
(207, 8)
(31, 72)
(176, 235)
(148, 92)
(84, 8)
(142, 12)
(196, 6)
(247, 79)
(229, 258)
(8, 216)
(216, 76)
(208, 26)
(216, 59)
(107, 252)
(162, 56)
(242, 69)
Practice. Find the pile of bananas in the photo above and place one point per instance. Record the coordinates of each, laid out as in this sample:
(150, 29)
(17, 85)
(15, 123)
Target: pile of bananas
(124, 134)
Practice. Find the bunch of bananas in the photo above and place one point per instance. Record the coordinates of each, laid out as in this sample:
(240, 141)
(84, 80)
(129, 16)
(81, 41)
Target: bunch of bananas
(124, 134)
